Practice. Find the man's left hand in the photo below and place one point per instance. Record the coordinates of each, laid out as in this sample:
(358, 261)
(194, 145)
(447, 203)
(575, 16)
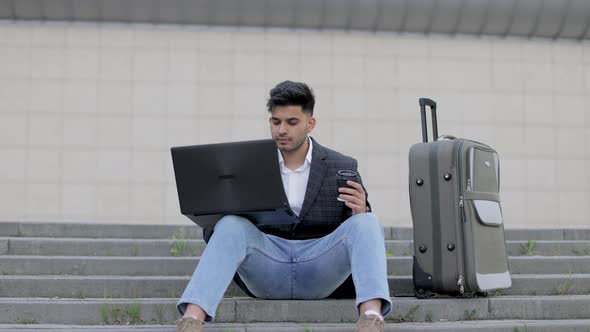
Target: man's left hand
(355, 197)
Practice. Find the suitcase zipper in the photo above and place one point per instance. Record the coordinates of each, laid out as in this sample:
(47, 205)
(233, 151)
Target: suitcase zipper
(460, 284)
(461, 279)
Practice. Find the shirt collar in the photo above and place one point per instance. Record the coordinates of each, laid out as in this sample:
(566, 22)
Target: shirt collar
(307, 157)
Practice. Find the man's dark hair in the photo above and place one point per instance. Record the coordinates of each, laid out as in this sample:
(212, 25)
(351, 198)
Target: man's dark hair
(289, 93)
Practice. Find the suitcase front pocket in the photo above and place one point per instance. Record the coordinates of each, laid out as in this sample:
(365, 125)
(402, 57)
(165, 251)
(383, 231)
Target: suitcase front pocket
(488, 213)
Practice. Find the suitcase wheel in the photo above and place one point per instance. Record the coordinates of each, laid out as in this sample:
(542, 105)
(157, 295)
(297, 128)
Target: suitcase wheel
(424, 294)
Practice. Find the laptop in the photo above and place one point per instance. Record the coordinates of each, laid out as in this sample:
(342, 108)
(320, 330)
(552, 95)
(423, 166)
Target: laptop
(237, 178)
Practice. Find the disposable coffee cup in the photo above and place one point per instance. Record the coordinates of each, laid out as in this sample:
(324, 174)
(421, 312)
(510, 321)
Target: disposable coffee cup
(342, 176)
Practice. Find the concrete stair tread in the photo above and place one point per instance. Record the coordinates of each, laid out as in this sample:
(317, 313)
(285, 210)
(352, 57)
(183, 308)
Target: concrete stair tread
(245, 310)
(475, 325)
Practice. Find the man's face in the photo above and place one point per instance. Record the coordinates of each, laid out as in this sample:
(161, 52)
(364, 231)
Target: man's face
(289, 126)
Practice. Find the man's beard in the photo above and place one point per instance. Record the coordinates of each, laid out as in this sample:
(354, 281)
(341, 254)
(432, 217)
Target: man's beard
(299, 144)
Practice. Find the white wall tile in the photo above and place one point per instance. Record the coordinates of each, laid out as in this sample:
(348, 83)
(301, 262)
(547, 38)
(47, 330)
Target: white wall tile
(80, 96)
(507, 49)
(569, 110)
(279, 68)
(14, 95)
(79, 130)
(316, 69)
(215, 100)
(46, 95)
(573, 207)
(348, 71)
(15, 62)
(114, 131)
(113, 166)
(182, 131)
(43, 200)
(417, 72)
(538, 109)
(183, 38)
(540, 141)
(568, 78)
(541, 174)
(513, 173)
(47, 62)
(82, 35)
(382, 170)
(78, 200)
(248, 129)
(13, 197)
(513, 207)
(150, 65)
(181, 99)
(45, 130)
(384, 202)
(571, 175)
(148, 167)
(147, 201)
(216, 39)
(349, 103)
(571, 143)
(79, 166)
(15, 33)
(12, 166)
(507, 76)
(172, 207)
(312, 43)
(82, 63)
(381, 72)
(349, 43)
(43, 165)
(382, 103)
(249, 67)
(542, 207)
(460, 48)
(537, 51)
(148, 36)
(116, 63)
(249, 100)
(216, 67)
(537, 77)
(115, 35)
(182, 65)
(112, 200)
(567, 52)
(149, 132)
(213, 130)
(349, 136)
(148, 98)
(49, 34)
(508, 108)
(509, 141)
(13, 129)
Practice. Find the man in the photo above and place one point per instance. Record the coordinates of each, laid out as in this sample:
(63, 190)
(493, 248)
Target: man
(311, 260)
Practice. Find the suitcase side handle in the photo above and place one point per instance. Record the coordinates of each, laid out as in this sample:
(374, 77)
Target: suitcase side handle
(432, 104)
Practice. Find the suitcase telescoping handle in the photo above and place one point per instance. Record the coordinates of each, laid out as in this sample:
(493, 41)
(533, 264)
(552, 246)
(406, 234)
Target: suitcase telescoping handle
(423, 103)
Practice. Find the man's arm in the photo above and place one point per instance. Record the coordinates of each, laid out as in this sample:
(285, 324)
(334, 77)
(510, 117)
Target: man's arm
(356, 198)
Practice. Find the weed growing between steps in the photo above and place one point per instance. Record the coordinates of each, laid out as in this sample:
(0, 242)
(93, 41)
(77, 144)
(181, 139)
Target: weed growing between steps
(581, 252)
(470, 315)
(121, 314)
(408, 317)
(180, 245)
(528, 248)
(565, 287)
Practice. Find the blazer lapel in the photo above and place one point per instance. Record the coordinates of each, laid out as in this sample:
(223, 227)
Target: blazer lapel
(317, 173)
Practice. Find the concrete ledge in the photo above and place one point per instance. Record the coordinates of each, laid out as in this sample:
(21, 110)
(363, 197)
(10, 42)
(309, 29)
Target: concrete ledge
(154, 311)
(184, 266)
(172, 286)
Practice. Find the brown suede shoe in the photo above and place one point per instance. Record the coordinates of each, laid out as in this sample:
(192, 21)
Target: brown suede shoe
(369, 323)
(189, 324)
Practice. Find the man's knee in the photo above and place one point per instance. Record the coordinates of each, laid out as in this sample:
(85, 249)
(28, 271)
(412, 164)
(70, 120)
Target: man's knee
(233, 225)
(365, 222)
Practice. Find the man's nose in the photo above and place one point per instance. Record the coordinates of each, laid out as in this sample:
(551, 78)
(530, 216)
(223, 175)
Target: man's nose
(282, 128)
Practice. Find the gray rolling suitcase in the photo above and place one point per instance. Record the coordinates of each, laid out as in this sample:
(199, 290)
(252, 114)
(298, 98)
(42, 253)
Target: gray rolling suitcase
(459, 245)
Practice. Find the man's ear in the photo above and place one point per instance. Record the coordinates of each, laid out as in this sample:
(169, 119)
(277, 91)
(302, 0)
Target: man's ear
(311, 124)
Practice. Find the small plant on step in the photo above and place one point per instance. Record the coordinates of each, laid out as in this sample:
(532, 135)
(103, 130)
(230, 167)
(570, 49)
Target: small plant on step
(306, 328)
(565, 287)
(470, 315)
(161, 313)
(499, 292)
(104, 312)
(528, 248)
(517, 329)
(134, 313)
(389, 253)
(428, 317)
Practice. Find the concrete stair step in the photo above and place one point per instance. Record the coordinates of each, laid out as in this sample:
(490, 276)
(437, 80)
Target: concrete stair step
(184, 266)
(474, 325)
(190, 230)
(240, 310)
(163, 247)
(172, 286)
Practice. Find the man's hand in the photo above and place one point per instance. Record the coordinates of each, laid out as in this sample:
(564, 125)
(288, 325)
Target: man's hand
(355, 197)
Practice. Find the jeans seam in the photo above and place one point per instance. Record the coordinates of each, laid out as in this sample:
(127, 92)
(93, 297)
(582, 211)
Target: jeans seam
(340, 240)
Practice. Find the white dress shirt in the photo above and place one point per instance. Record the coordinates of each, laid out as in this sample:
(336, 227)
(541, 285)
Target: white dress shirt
(295, 181)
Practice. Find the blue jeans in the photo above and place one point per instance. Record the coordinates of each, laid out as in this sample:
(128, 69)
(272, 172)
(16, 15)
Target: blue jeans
(300, 269)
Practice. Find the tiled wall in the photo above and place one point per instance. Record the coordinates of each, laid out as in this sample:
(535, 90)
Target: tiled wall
(88, 112)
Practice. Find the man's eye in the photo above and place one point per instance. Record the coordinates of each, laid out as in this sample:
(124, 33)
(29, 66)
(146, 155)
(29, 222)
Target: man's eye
(292, 123)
